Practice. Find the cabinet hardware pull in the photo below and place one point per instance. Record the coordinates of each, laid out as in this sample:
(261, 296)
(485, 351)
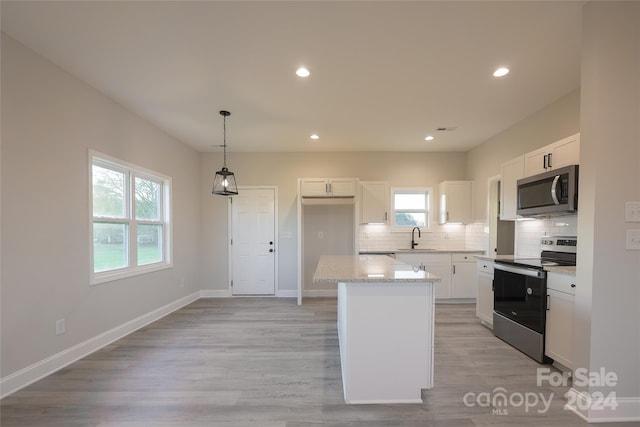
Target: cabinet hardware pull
(544, 162)
(548, 303)
(549, 160)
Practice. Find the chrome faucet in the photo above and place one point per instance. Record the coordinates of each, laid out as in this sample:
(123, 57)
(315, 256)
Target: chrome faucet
(413, 241)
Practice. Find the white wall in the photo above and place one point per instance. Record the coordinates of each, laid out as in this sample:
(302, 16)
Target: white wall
(554, 122)
(283, 169)
(50, 120)
(607, 315)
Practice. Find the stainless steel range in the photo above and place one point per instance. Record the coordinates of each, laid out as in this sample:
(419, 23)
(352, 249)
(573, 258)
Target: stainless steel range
(520, 291)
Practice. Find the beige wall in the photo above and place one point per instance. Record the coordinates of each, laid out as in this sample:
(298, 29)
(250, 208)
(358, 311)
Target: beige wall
(49, 122)
(283, 170)
(607, 318)
(558, 120)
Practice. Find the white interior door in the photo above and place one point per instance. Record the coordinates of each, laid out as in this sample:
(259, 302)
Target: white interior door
(253, 242)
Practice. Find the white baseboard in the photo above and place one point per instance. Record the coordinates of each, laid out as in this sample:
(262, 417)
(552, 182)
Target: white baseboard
(30, 374)
(215, 293)
(287, 293)
(627, 408)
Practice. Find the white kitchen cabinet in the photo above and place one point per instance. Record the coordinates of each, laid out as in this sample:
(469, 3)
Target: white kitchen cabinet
(510, 173)
(559, 326)
(455, 202)
(484, 299)
(435, 263)
(553, 156)
(463, 276)
(441, 264)
(374, 202)
(328, 187)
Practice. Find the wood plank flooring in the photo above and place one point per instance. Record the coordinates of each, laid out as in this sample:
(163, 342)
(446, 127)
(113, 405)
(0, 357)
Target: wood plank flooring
(267, 362)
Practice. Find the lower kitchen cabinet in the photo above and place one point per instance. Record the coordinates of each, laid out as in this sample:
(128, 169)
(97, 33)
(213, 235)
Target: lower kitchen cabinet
(456, 272)
(484, 299)
(559, 326)
(463, 276)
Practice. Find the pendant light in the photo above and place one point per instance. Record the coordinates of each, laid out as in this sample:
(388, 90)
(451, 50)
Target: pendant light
(224, 183)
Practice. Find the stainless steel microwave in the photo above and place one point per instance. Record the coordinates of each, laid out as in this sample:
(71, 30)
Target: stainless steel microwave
(549, 193)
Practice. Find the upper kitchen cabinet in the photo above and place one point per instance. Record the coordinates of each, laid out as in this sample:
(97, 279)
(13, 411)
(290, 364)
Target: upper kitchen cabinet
(553, 156)
(455, 202)
(328, 187)
(510, 173)
(374, 202)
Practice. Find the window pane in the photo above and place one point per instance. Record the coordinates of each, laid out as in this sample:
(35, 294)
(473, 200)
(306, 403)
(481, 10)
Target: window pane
(415, 201)
(109, 246)
(405, 219)
(108, 193)
(147, 199)
(149, 244)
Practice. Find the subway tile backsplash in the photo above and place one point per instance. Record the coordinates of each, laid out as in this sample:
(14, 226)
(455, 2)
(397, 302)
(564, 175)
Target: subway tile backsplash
(528, 233)
(376, 237)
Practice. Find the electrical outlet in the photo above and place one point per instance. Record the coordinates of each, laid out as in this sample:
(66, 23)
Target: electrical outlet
(320, 235)
(61, 326)
(632, 211)
(633, 240)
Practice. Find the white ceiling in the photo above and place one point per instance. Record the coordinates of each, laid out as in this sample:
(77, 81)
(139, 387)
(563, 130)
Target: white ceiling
(383, 74)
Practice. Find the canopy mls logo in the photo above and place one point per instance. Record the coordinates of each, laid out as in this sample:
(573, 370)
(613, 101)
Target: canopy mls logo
(500, 401)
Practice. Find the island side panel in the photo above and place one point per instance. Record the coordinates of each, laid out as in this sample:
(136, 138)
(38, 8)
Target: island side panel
(386, 341)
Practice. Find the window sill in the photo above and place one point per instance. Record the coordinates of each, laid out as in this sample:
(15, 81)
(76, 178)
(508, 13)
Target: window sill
(110, 276)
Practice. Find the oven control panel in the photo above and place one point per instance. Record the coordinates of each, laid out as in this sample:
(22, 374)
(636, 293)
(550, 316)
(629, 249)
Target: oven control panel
(559, 243)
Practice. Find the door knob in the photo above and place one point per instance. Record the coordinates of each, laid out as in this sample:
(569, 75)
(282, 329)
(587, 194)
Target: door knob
(270, 250)
(271, 243)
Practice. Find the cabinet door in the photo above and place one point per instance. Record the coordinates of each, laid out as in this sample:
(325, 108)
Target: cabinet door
(535, 162)
(374, 202)
(511, 172)
(565, 152)
(342, 187)
(484, 300)
(463, 280)
(559, 327)
(314, 187)
(455, 202)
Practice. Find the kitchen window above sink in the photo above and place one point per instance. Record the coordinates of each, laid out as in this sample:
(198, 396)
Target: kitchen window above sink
(411, 207)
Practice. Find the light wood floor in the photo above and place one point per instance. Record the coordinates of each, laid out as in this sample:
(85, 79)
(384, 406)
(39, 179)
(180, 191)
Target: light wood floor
(270, 363)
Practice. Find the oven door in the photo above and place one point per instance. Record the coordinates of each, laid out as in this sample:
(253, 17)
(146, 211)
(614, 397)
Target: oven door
(519, 294)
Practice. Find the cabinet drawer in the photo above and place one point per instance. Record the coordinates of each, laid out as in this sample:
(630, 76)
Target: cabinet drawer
(485, 266)
(456, 257)
(561, 282)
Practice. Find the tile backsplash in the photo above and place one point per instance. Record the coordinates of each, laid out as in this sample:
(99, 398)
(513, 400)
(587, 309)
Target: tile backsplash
(377, 237)
(528, 233)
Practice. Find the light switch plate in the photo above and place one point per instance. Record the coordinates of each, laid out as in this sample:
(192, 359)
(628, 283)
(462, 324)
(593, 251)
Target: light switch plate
(633, 240)
(632, 212)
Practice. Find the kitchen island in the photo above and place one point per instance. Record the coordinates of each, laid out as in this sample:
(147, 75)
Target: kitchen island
(385, 327)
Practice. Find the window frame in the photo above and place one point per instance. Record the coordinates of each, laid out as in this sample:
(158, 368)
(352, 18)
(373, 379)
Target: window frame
(427, 191)
(131, 172)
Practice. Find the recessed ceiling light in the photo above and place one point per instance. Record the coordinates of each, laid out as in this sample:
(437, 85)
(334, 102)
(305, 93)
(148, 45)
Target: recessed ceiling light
(428, 138)
(314, 136)
(501, 72)
(302, 72)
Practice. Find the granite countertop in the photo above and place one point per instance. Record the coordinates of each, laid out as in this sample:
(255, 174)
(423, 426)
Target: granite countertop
(419, 251)
(563, 269)
(569, 270)
(368, 269)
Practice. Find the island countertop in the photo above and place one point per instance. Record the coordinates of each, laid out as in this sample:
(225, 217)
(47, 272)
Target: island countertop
(368, 269)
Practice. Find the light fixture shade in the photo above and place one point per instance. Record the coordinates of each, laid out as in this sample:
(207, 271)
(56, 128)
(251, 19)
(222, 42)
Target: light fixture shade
(224, 183)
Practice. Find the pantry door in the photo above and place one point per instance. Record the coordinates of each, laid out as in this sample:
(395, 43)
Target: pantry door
(253, 243)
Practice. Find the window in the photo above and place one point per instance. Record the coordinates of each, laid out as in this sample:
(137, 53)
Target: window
(130, 220)
(411, 207)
